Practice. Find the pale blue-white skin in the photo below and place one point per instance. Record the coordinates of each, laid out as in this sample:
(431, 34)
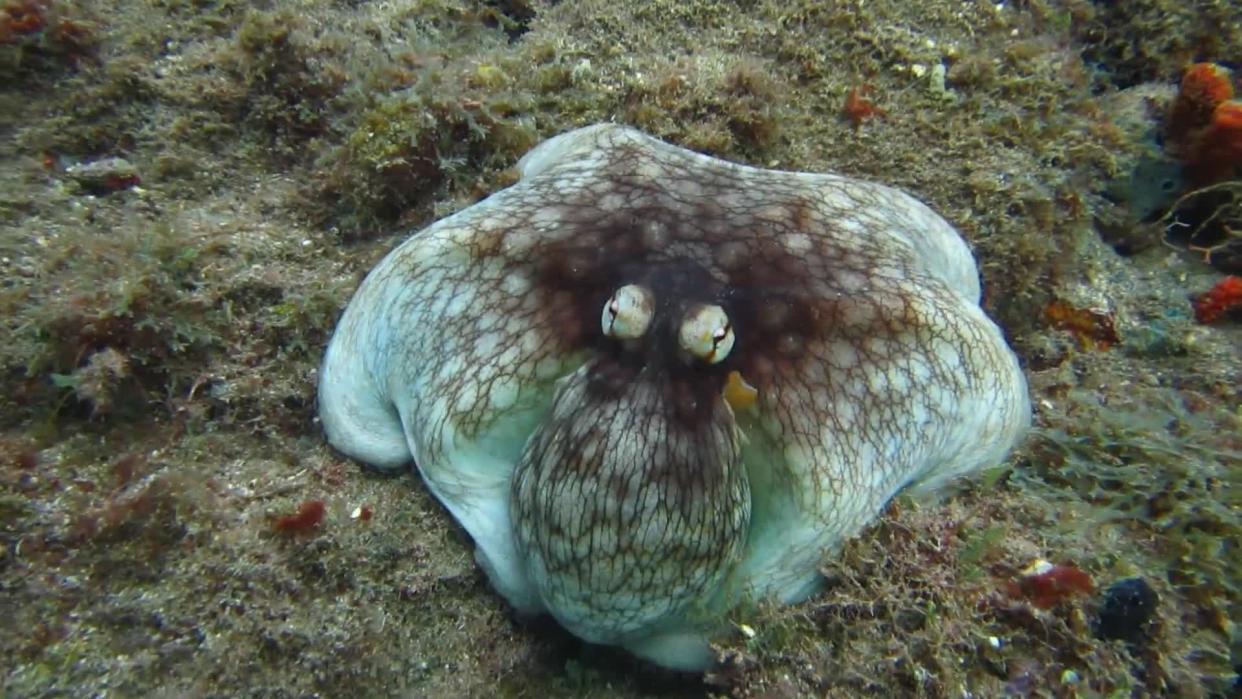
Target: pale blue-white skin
(610, 483)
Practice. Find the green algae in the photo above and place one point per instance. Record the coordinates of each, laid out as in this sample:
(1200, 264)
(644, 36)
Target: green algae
(162, 341)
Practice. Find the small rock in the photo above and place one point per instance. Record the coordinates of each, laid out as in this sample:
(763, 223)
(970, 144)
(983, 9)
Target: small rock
(1127, 606)
(104, 176)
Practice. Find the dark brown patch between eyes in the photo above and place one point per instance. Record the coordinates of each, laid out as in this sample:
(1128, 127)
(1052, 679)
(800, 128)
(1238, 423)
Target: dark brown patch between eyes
(762, 291)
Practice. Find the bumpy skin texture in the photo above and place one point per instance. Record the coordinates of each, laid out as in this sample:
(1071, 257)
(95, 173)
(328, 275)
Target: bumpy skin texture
(607, 481)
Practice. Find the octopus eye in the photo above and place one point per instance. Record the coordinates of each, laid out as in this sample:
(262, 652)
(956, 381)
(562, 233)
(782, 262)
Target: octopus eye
(706, 333)
(627, 314)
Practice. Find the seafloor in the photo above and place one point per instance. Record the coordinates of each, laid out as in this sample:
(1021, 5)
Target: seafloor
(163, 316)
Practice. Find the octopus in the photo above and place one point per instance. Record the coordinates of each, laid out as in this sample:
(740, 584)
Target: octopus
(653, 385)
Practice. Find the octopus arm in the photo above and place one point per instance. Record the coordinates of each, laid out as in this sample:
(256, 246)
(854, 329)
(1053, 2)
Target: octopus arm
(434, 362)
(935, 397)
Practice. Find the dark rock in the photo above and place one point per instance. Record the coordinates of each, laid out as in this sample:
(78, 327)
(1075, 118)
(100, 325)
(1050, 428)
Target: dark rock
(1126, 608)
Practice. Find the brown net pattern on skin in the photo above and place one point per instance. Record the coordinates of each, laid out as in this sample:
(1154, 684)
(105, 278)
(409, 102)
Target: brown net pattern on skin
(627, 513)
(829, 304)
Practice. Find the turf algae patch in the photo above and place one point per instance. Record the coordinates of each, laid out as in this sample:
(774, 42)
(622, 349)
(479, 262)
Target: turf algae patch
(1159, 475)
(920, 606)
(1013, 152)
(1175, 34)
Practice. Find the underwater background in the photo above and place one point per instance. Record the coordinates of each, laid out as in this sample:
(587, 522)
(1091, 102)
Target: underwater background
(191, 190)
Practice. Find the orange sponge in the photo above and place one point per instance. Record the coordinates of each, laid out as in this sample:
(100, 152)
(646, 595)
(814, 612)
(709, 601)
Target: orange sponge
(1204, 127)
